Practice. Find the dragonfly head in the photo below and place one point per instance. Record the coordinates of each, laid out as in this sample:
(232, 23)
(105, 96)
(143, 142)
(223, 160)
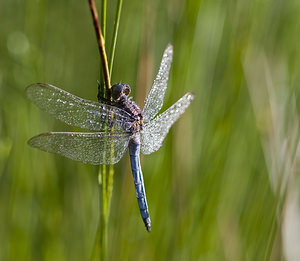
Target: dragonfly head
(118, 90)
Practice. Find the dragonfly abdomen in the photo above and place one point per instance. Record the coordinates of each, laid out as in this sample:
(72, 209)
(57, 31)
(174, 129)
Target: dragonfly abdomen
(134, 152)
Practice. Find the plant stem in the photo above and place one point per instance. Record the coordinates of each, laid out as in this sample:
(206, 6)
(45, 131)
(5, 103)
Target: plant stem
(112, 54)
(106, 182)
(115, 35)
(101, 45)
(100, 245)
(110, 182)
(103, 17)
(104, 214)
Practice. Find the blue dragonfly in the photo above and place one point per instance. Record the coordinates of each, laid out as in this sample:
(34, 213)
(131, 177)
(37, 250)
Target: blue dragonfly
(117, 125)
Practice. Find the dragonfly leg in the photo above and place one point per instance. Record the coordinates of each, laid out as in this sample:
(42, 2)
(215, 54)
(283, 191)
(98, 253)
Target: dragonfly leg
(100, 95)
(103, 100)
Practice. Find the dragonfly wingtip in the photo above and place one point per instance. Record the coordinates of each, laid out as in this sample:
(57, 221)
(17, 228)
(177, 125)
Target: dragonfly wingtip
(32, 89)
(191, 95)
(169, 49)
(41, 84)
(33, 140)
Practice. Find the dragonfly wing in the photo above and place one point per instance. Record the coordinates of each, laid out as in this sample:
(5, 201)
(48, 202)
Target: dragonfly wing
(155, 98)
(93, 148)
(76, 111)
(154, 132)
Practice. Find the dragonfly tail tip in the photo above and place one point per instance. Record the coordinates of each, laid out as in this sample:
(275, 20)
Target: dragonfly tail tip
(147, 224)
(148, 227)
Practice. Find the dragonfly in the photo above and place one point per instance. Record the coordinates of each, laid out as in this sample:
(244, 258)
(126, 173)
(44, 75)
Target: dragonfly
(115, 125)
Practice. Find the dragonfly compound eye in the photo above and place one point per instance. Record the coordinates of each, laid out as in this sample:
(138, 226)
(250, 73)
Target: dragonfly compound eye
(116, 91)
(126, 89)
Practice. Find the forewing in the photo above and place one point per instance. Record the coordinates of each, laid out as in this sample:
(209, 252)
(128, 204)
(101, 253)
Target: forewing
(154, 132)
(75, 111)
(155, 98)
(92, 148)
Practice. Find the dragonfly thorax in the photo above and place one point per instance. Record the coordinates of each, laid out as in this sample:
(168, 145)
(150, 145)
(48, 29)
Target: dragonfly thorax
(120, 97)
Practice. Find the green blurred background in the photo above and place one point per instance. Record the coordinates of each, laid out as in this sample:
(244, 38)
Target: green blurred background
(224, 186)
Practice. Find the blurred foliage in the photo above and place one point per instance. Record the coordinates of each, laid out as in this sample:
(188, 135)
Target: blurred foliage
(209, 187)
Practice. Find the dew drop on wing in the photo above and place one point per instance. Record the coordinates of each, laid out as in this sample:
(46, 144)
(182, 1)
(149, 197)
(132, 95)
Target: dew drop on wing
(155, 97)
(92, 148)
(73, 110)
(154, 132)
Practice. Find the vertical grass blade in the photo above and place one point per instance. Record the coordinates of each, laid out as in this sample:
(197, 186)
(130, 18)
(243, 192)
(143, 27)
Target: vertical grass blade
(104, 213)
(115, 36)
(100, 244)
(103, 18)
(111, 59)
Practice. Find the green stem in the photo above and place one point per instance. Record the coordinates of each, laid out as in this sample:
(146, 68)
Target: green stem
(104, 214)
(110, 182)
(96, 254)
(100, 245)
(105, 174)
(115, 35)
(103, 17)
(112, 54)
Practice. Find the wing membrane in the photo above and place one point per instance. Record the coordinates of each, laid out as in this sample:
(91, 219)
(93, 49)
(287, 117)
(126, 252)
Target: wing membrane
(155, 97)
(76, 111)
(93, 148)
(154, 132)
